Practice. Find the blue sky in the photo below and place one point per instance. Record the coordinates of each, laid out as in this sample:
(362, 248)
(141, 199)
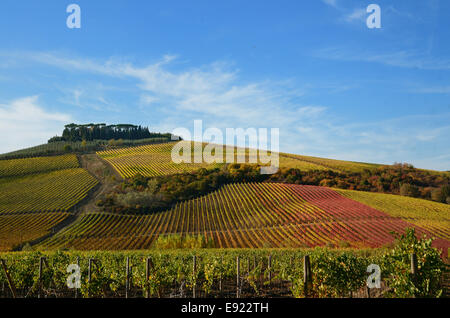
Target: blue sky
(334, 87)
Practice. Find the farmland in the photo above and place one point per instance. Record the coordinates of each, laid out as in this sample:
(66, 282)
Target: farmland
(60, 147)
(244, 216)
(53, 191)
(19, 167)
(35, 195)
(229, 272)
(148, 160)
(332, 164)
(432, 216)
(18, 228)
(155, 160)
(235, 215)
(222, 217)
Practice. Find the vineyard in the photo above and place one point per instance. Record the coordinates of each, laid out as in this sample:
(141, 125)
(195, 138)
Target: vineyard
(19, 167)
(18, 228)
(35, 195)
(251, 215)
(180, 273)
(432, 216)
(155, 160)
(331, 164)
(60, 147)
(262, 272)
(148, 160)
(53, 191)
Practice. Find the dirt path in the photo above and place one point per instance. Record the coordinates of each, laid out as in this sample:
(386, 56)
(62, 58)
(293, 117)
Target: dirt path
(107, 177)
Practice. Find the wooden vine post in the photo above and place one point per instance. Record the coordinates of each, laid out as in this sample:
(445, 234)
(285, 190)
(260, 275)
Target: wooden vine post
(220, 275)
(12, 287)
(413, 258)
(89, 274)
(237, 277)
(127, 277)
(76, 289)
(194, 270)
(41, 273)
(306, 274)
(148, 267)
(270, 270)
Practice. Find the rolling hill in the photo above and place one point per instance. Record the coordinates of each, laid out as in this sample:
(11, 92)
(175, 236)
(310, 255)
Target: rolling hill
(40, 203)
(250, 216)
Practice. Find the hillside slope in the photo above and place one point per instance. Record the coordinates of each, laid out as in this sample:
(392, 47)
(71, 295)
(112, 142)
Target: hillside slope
(155, 160)
(245, 215)
(432, 216)
(37, 195)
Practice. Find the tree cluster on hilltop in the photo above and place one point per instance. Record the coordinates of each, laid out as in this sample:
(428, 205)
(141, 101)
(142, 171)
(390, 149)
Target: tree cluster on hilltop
(88, 132)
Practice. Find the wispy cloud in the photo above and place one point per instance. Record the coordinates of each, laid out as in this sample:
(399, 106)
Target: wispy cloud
(347, 15)
(432, 90)
(24, 123)
(213, 90)
(405, 59)
(357, 14)
(383, 141)
(332, 3)
(216, 94)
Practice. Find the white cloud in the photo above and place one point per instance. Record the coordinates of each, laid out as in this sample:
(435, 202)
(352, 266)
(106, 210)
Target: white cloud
(216, 94)
(24, 123)
(414, 139)
(404, 59)
(357, 14)
(433, 90)
(332, 3)
(147, 100)
(209, 91)
(76, 96)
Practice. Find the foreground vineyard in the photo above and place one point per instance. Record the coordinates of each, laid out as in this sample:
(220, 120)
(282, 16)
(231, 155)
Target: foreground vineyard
(53, 191)
(244, 215)
(171, 274)
(230, 272)
(16, 229)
